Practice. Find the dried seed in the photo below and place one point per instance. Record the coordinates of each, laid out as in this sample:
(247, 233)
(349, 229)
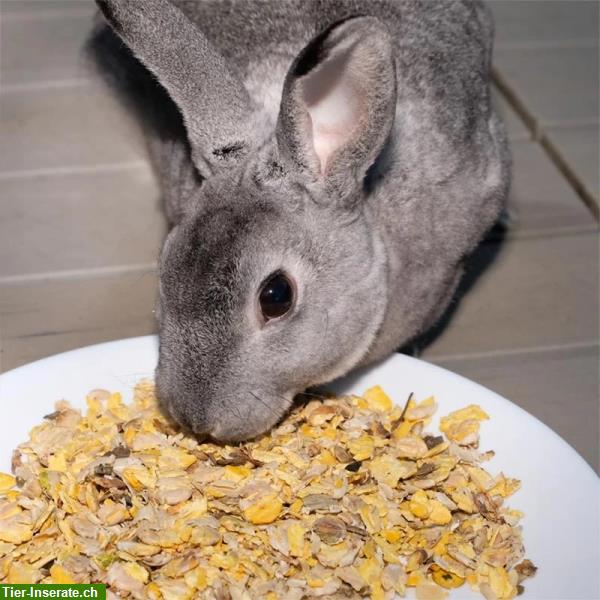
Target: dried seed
(331, 530)
(354, 466)
(342, 454)
(431, 441)
(525, 569)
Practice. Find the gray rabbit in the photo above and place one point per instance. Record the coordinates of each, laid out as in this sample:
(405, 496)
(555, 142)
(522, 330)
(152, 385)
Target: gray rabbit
(326, 166)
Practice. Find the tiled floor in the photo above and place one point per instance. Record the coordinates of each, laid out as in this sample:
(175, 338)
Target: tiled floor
(80, 222)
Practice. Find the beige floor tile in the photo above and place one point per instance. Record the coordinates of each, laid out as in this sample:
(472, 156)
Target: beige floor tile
(44, 317)
(79, 221)
(66, 127)
(559, 387)
(20, 351)
(557, 85)
(541, 200)
(549, 22)
(579, 147)
(532, 292)
(42, 49)
(26, 8)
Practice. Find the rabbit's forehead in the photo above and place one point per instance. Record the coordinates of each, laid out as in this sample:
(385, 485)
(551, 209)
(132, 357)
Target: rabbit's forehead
(218, 241)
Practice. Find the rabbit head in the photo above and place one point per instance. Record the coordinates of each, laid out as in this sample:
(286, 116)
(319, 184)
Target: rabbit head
(275, 278)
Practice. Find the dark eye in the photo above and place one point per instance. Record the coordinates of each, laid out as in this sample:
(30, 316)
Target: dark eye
(276, 296)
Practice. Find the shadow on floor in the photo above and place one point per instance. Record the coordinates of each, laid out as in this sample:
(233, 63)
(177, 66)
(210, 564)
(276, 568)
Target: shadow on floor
(479, 260)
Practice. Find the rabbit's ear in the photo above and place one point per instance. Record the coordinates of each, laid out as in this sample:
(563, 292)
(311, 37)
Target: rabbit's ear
(215, 105)
(338, 104)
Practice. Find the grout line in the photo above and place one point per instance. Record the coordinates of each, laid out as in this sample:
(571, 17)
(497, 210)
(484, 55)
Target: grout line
(515, 102)
(572, 123)
(32, 86)
(78, 273)
(539, 135)
(570, 175)
(510, 352)
(75, 170)
(549, 45)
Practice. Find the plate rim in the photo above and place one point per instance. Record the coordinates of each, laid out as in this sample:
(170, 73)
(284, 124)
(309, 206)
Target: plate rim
(354, 374)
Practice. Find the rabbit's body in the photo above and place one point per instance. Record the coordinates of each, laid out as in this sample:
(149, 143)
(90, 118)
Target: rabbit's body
(429, 188)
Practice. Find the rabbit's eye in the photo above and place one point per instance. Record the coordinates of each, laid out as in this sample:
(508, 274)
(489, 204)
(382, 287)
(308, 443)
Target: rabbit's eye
(276, 296)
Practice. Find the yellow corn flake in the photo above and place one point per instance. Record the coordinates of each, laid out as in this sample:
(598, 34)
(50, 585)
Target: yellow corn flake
(153, 591)
(264, 510)
(402, 430)
(223, 561)
(469, 412)
(136, 571)
(115, 405)
(500, 583)
(422, 410)
(482, 479)
(175, 458)
(59, 574)
(428, 591)
(123, 496)
(410, 446)
(94, 404)
(361, 448)
(419, 505)
(415, 578)
(112, 513)
(22, 573)
(326, 458)
(370, 570)
(462, 426)
(295, 507)
(194, 509)
(57, 462)
(295, 536)
(8, 510)
(174, 589)
(445, 579)
(439, 514)
(139, 478)
(6, 482)
(377, 592)
(15, 531)
(236, 473)
(504, 487)
(377, 399)
(321, 414)
(463, 500)
(392, 535)
(390, 470)
(196, 579)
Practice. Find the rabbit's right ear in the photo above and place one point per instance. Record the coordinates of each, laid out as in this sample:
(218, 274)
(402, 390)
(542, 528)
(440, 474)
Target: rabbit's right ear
(215, 106)
(338, 105)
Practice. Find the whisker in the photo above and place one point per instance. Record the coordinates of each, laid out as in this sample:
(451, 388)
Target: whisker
(237, 413)
(312, 395)
(269, 408)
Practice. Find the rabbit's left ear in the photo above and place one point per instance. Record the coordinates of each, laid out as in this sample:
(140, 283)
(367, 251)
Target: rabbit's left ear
(338, 104)
(215, 105)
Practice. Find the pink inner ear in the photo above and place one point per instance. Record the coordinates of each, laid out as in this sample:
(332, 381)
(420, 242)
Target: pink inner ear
(333, 102)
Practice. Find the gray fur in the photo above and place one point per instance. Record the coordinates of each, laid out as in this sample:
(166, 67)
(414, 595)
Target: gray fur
(372, 220)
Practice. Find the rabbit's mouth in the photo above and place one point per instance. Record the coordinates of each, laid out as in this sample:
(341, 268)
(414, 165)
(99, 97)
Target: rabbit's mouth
(259, 414)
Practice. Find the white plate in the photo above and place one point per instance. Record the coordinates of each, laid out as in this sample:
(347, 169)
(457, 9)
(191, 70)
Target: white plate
(559, 494)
